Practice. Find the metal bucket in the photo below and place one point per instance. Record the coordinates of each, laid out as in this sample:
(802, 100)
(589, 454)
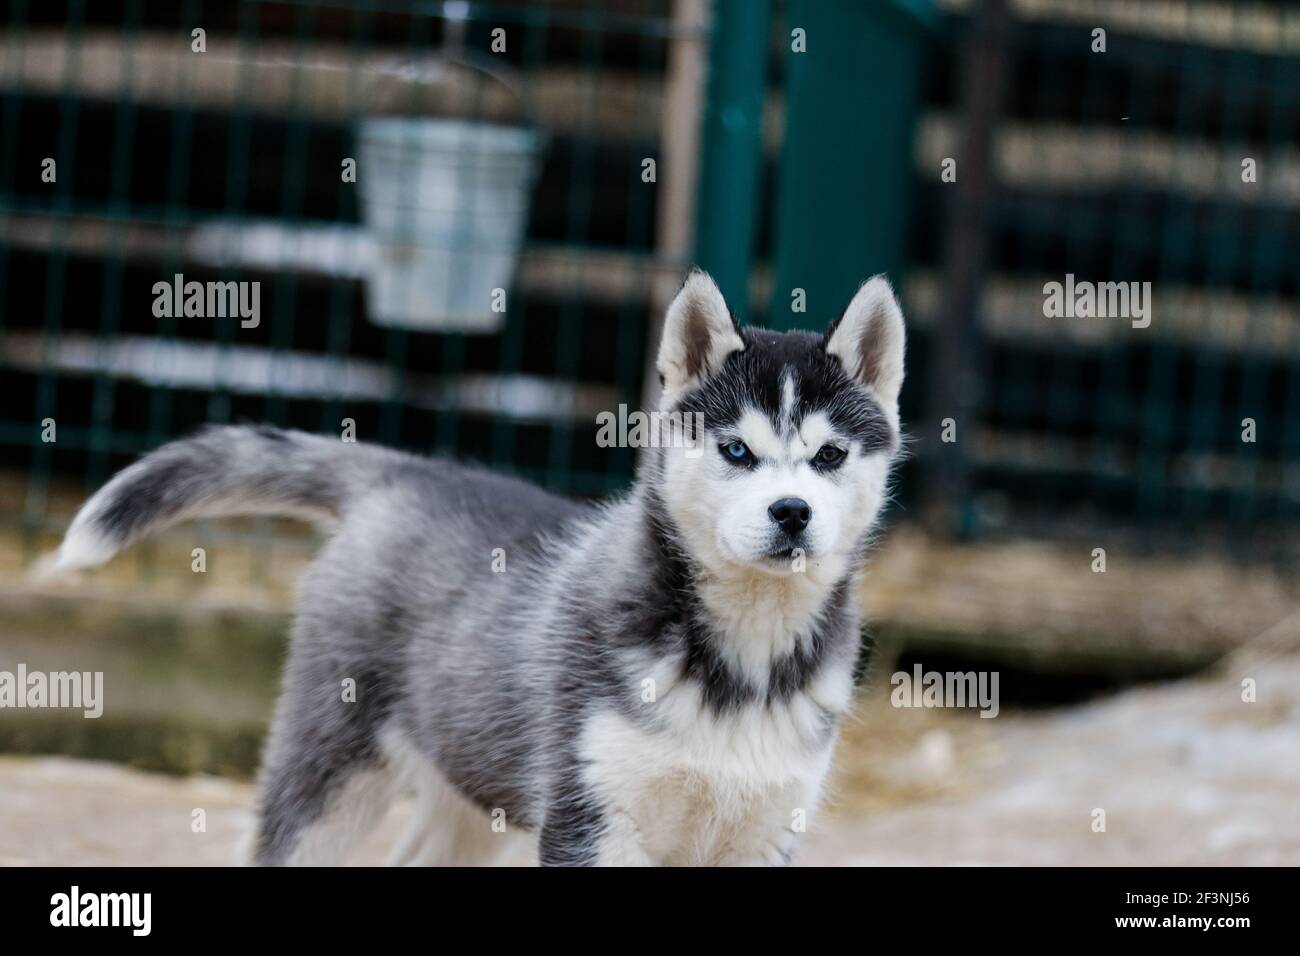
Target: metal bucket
(446, 201)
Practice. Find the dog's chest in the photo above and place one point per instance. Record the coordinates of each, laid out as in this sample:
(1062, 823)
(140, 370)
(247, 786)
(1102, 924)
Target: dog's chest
(705, 789)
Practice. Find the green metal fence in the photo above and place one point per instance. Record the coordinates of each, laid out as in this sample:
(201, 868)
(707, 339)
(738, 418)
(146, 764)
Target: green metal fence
(980, 152)
(1133, 147)
(224, 164)
(815, 167)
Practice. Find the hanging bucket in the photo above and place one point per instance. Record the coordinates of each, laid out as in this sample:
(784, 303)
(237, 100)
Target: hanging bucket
(446, 204)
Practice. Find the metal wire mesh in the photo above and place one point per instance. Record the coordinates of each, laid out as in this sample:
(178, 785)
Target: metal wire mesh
(1132, 145)
(225, 166)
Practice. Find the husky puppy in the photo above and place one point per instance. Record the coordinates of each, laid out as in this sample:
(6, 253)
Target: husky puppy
(654, 681)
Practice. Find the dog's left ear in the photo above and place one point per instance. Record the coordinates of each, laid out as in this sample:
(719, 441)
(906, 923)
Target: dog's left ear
(699, 333)
(868, 339)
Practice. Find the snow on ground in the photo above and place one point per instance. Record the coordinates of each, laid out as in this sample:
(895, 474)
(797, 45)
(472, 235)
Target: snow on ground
(1186, 773)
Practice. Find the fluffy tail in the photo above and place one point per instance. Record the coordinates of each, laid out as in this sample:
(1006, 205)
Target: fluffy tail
(221, 471)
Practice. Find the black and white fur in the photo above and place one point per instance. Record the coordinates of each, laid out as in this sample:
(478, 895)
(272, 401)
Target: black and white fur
(651, 681)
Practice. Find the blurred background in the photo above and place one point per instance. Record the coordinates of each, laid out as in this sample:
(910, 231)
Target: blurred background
(465, 220)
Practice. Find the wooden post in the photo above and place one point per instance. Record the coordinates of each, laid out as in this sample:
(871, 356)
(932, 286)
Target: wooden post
(955, 373)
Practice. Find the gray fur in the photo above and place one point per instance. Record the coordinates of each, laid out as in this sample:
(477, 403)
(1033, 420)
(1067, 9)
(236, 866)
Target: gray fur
(491, 677)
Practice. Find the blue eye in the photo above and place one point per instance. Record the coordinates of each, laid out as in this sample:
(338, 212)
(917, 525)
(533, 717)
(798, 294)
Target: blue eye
(828, 456)
(737, 451)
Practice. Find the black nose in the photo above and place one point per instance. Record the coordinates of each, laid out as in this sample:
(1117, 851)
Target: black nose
(792, 514)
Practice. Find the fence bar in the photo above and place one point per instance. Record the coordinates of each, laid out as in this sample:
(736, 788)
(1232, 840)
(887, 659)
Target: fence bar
(852, 97)
(955, 376)
(730, 173)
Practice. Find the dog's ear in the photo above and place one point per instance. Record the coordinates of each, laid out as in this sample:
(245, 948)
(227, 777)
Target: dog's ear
(868, 339)
(699, 333)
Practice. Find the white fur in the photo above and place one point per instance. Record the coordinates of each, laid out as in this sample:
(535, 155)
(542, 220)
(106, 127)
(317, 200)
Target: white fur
(82, 548)
(351, 814)
(446, 828)
(723, 513)
(696, 787)
(701, 791)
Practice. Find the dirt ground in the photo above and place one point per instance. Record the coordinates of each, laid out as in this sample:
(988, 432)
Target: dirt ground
(1186, 773)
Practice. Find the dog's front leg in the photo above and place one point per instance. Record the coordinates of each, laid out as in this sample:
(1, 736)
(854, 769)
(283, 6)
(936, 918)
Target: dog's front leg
(769, 846)
(621, 844)
(580, 833)
(773, 830)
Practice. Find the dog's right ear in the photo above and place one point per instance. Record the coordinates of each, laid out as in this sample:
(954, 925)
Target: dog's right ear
(699, 333)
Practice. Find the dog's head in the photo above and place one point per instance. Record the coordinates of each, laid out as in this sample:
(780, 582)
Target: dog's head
(790, 435)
